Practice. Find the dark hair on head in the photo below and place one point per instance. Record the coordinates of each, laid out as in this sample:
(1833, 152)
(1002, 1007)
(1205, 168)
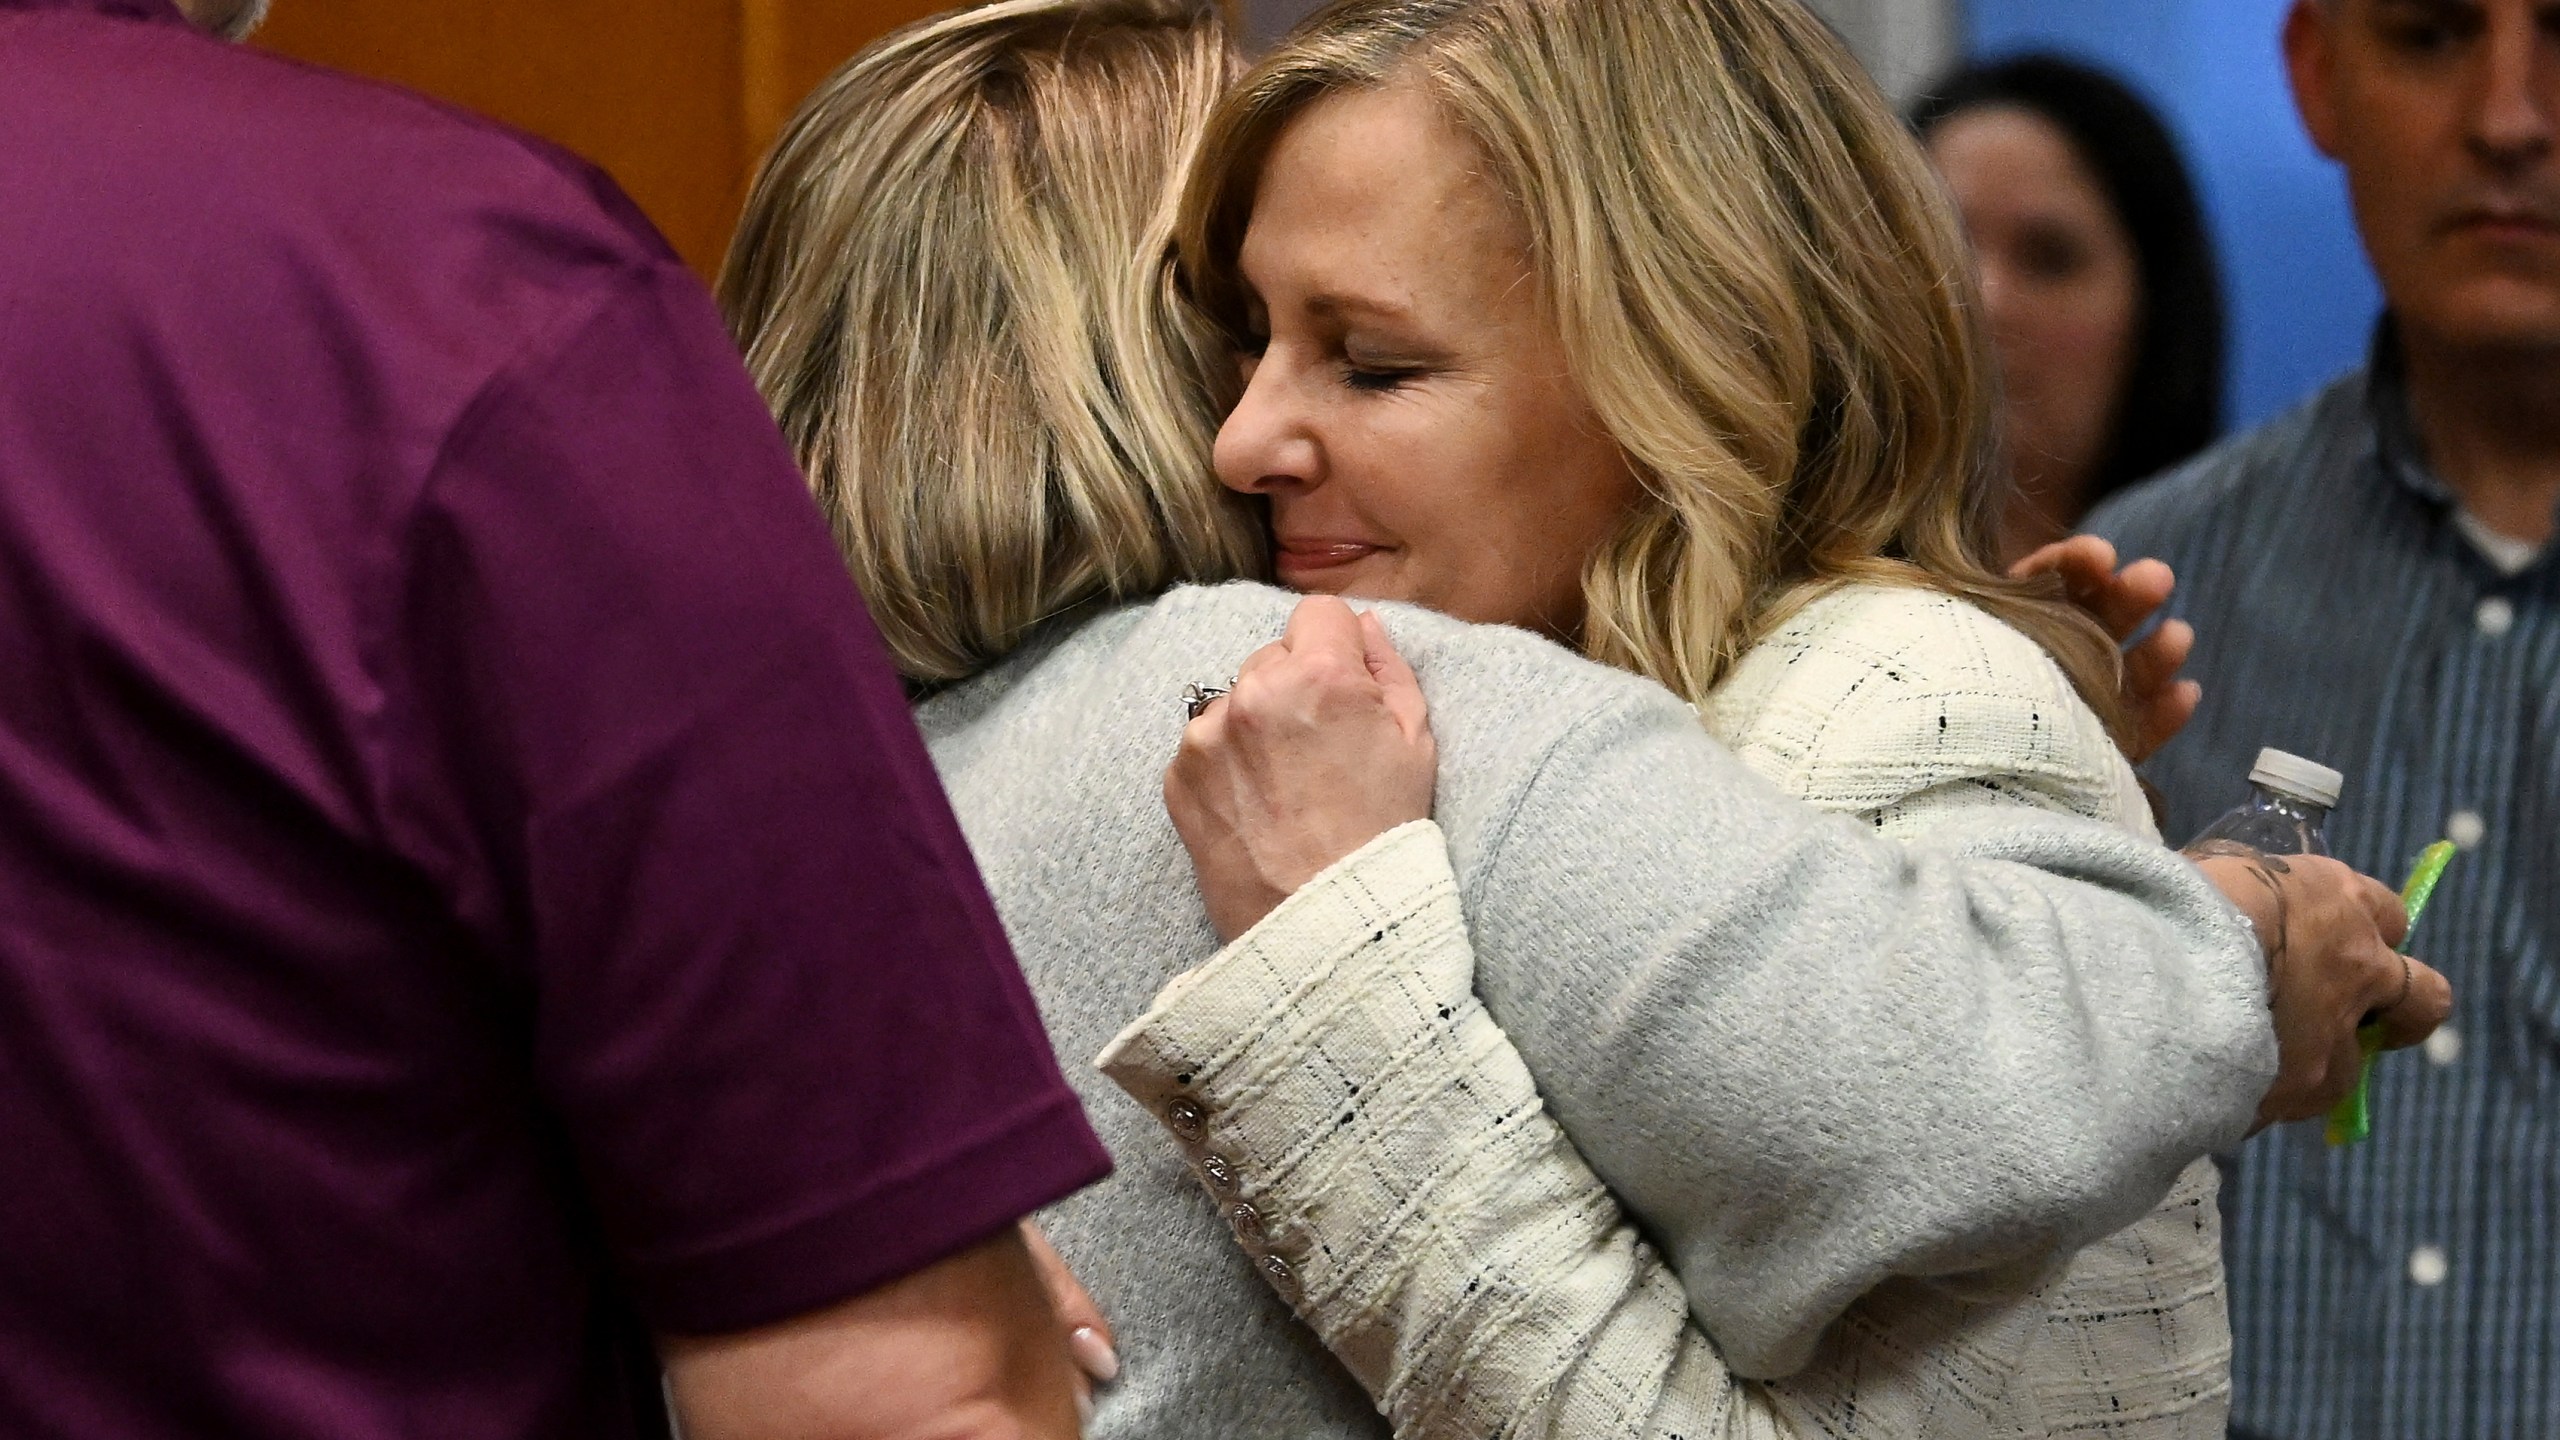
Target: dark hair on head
(2172, 405)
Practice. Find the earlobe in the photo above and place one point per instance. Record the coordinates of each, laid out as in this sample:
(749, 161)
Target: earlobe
(2310, 57)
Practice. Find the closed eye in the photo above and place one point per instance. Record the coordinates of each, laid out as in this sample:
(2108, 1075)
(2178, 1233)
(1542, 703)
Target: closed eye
(1374, 380)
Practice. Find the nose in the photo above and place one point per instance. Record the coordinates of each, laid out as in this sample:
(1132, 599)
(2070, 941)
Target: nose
(1267, 442)
(1999, 282)
(2511, 112)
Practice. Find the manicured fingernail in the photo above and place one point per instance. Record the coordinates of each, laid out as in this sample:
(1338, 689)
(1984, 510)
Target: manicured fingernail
(1093, 1353)
(1084, 1409)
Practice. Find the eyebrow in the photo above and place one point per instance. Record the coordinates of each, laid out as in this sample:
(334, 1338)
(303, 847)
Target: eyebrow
(1334, 306)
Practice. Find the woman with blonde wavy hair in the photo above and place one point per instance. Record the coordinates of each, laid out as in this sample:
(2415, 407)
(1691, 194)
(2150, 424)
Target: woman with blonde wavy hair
(1644, 324)
(953, 284)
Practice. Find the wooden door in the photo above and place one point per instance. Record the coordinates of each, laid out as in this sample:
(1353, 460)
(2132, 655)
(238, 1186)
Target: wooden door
(678, 99)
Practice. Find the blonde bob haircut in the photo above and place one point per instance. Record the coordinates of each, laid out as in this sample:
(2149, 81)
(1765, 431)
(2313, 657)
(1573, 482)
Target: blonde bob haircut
(1759, 285)
(952, 285)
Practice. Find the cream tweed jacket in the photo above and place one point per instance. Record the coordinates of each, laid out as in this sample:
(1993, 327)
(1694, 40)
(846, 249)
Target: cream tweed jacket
(1447, 1242)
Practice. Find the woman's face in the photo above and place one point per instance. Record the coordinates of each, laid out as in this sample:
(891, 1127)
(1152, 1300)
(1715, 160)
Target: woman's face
(2061, 282)
(1407, 409)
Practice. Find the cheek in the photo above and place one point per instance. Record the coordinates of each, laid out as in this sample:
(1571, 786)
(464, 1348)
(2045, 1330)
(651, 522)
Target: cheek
(1416, 469)
(1496, 511)
(1566, 491)
(2390, 171)
(2083, 325)
(1589, 487)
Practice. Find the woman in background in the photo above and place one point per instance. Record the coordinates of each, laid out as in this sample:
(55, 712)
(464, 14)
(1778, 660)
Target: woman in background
(2098, 279)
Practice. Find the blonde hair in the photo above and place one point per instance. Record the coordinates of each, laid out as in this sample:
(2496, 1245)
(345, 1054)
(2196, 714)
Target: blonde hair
(952, 284)
(1759, 284)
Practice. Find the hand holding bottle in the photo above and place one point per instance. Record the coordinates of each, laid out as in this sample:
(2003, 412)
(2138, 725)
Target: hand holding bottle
(2329, 935)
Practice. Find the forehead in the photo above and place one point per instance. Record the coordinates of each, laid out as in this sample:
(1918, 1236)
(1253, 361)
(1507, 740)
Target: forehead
(2007, 141)
(1377, 186)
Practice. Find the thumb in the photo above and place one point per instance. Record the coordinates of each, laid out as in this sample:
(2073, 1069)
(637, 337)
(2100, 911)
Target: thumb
(1403, 688)
(1322, 622)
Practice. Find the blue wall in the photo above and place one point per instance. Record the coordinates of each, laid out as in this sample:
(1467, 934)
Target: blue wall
(2302, 297)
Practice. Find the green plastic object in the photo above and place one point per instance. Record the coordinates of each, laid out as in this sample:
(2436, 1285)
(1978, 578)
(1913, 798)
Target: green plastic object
(2352, 1120)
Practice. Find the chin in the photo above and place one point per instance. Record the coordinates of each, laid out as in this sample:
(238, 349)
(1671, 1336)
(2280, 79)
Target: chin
(2478, 296)
(2495, 317)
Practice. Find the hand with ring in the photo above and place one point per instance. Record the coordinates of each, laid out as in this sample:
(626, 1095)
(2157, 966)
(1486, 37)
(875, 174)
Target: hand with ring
(2328, 933)
(1321, 744)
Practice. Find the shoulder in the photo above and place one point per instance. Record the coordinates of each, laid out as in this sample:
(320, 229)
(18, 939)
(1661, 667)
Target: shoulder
(1108, 679)
(1474, 675)
(252, 134)
(2248, 478)
(1866, 649)
(1523, 725)
(1874, 693)
(267, 211)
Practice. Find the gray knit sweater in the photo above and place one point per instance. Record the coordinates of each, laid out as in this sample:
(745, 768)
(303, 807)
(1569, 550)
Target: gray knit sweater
(1804, 1057)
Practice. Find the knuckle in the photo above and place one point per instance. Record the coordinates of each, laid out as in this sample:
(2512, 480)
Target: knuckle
(1329, 667)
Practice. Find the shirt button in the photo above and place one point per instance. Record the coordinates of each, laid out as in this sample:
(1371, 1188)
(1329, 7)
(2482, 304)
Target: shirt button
(1221, 1175)
(2445, 1046)
(1248, 1225)
(2496, 616)
(2427, 1266)
(1187, 1119)
(1282, 1278)
(2464, 828)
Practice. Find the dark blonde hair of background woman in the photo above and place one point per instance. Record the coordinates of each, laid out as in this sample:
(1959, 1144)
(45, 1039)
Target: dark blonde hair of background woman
(952, 284)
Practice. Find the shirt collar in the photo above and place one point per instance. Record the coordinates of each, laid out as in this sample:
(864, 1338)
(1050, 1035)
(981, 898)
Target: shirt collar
(2397, 443)
(128, 9)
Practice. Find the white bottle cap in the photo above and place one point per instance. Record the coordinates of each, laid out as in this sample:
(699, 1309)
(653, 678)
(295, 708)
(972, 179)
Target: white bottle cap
(2296, 776)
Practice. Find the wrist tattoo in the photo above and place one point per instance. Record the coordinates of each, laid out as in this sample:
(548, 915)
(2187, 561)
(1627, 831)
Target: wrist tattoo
(2234, 850)
(2265, 868)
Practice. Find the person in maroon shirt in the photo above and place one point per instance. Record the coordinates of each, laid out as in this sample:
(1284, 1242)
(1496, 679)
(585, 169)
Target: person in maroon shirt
(473, 906)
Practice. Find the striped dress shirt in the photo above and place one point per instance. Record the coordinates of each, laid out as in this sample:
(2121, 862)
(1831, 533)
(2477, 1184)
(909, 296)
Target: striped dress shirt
(2403, 1289)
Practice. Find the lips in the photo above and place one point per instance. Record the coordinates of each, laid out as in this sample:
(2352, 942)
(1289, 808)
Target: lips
(2511, 221)
(1311, 556)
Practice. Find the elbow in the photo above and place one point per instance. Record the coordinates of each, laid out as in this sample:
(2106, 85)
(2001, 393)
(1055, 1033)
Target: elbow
(2090, 1175)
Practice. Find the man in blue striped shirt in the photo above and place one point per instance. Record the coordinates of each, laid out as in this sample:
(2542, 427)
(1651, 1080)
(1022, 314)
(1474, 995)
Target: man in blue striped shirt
(2371, 586)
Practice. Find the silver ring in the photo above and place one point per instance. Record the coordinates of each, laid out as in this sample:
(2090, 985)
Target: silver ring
(1196, 698)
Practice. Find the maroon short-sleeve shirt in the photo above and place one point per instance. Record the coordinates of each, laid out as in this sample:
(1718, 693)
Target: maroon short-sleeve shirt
(470, 891)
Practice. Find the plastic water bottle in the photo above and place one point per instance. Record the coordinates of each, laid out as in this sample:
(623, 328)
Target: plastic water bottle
(2289, 801)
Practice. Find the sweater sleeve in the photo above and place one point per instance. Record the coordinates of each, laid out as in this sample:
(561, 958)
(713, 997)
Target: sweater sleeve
(1808, 1061)
(1380, 1149)
(1910, 710)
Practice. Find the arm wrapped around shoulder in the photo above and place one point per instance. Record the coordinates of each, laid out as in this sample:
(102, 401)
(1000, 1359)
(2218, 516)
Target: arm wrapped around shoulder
(1809, 1059)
